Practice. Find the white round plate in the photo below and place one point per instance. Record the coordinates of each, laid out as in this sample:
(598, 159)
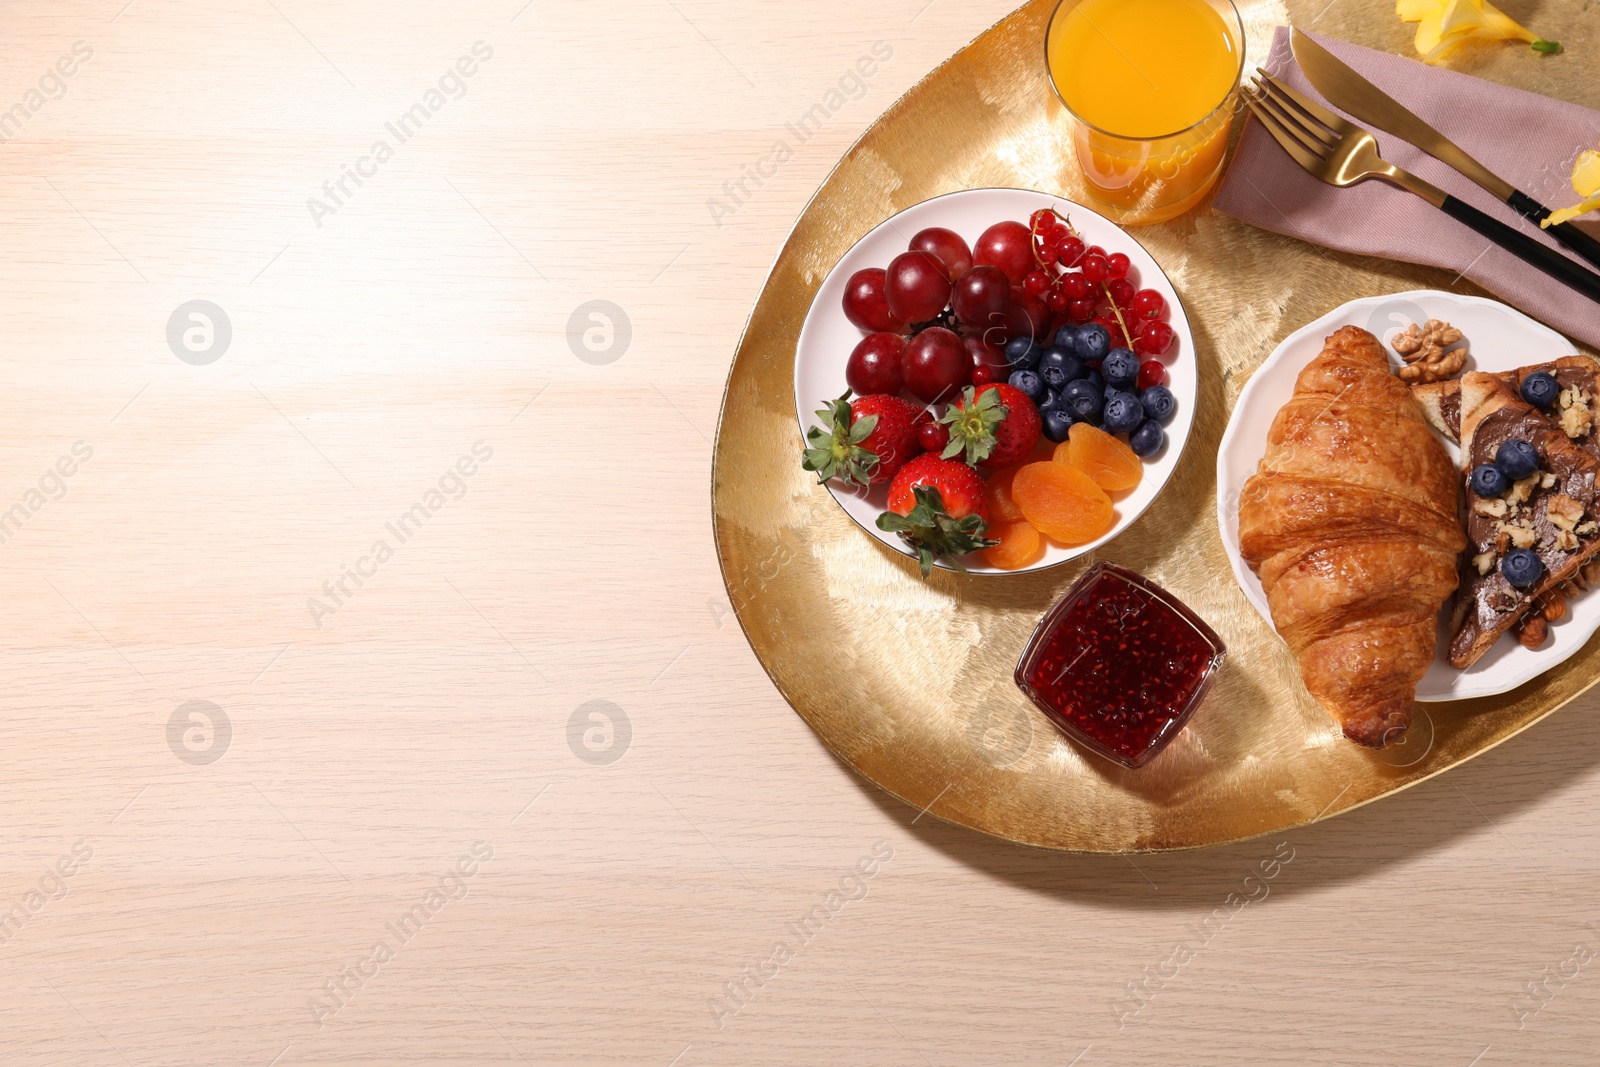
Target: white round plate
(1498, 338)
(827, 339)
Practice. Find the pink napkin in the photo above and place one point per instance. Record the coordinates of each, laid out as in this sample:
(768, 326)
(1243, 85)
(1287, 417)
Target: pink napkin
(1527, 139)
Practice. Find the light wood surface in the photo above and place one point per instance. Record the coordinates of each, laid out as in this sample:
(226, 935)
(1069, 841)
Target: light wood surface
(423, 719)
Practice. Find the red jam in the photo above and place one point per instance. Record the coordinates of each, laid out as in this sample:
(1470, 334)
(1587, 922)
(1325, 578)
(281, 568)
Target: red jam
(1120, 664)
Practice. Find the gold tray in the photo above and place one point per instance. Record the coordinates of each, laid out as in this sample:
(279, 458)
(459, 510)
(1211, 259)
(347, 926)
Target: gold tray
(910, 681)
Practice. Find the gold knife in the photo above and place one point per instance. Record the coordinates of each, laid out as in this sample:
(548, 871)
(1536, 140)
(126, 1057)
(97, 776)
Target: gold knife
(1348, 90)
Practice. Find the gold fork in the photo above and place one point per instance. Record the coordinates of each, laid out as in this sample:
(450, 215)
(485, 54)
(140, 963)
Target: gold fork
(1341, 153)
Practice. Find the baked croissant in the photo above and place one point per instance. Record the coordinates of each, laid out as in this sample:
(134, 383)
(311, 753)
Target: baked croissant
(1351, 524)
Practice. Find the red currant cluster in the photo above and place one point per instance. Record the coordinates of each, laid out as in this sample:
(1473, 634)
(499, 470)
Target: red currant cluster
(1083, 283)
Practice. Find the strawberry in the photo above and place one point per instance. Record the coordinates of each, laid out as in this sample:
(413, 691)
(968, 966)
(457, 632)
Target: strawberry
(939, 508)
(995, 425)
(866, 441)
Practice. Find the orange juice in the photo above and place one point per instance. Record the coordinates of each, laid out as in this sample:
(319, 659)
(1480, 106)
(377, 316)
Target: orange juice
(1147, 82)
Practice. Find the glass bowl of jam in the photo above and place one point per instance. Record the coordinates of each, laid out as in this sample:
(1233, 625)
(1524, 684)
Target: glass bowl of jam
(1120, 664)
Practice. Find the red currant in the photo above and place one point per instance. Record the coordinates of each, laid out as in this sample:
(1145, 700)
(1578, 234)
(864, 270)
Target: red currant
(1119, 339)
(1151, 372)
(1075, 286)
(1155, 338)
(1095, 250)
(1069, 250)
(1117, 265)
(1094, 268)
(1056, 300)
(1121, 290)
(1149, 304)
(982, 374)
(1082, 309)
(1035, 283)
(933, 436)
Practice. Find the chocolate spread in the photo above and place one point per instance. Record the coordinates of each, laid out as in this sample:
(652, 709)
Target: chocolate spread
(1490, 602)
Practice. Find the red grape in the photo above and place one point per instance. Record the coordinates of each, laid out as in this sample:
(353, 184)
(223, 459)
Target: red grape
(917, 287)
(1007, 245)
(1028, 315)
(982, 351)
(875, 365)
(1149, 304)
(1155, 338)
(1151, 372)
(936, 365)
(1118, 264)
(864, 302)
(947, 247)
(980, 295)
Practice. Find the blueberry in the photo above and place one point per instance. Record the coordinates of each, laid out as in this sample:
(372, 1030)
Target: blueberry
(1093, 342)
(1084, 400)
(1148, 439)
(1488, 481)
(1516, 459)
(1522, 568)
(1053, 401)
(1123, 412)
(1540, 389)
(1028, 384)
(1056, 424)
(1094, 378)
(1159, 403)
(1067, 337)
(1120, 368)
(1058, 367)
(1023, 352)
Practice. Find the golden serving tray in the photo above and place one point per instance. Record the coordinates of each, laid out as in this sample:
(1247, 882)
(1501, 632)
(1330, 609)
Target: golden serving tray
(910, 681)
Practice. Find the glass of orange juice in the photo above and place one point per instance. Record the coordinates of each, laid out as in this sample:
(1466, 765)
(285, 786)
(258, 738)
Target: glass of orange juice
(1151, 86)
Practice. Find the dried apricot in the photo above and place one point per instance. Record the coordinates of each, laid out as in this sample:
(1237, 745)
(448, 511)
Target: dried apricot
(1001, 504)
(1111, 464)
(1062, 502)
(1020, 545)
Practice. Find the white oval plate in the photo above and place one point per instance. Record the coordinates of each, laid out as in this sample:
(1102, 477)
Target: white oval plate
(827, 339)
(1499, 338)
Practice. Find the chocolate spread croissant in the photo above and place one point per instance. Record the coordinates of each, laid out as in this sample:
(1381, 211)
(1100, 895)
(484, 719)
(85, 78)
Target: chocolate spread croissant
(1351, 524)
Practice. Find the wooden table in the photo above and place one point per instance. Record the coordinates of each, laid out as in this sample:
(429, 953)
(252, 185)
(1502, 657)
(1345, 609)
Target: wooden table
(373, 696)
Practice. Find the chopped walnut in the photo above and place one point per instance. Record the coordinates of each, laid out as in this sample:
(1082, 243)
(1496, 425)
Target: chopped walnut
(1547, 480)
(1504, 600)
(1425, 351)
(1493, 508)
(1567, 541)
(1585, 529)
(1515, 534)
(1563, 512)
(1522, 490)
(1576, 417)
(1484, 561)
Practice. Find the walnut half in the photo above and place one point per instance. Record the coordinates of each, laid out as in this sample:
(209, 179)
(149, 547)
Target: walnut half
(1423, 349)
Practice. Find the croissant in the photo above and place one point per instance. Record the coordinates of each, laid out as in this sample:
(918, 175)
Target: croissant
(1351, 523)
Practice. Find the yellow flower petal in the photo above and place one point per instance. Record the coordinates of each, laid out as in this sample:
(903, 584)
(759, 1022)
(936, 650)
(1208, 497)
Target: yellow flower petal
(1444, 26)
(1586, 173)
(1417, 10)
(1567, 214)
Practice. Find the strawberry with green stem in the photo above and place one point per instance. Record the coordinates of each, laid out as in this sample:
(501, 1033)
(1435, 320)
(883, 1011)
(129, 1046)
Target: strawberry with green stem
(995, 425)
(865, 441)
(939, 508)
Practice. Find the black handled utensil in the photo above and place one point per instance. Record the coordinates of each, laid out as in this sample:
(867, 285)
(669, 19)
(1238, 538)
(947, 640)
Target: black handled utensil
(1346, 89)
